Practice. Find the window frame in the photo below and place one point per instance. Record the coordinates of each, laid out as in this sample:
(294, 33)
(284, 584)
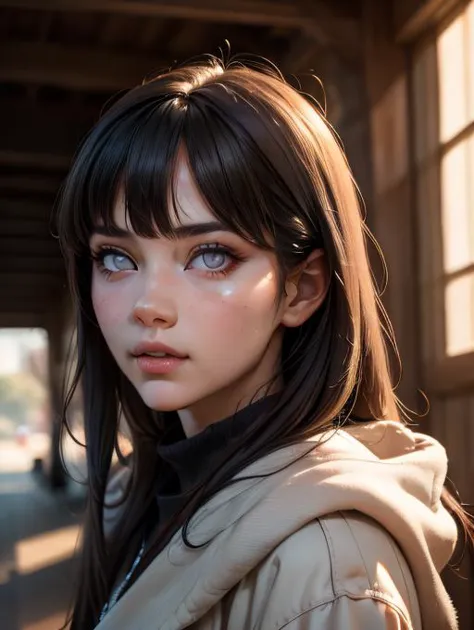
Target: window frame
(442, 373)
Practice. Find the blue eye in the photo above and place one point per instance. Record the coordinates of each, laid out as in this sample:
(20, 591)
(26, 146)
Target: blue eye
(212, 260)
(215, 259)
(112, 261)
(117, 262)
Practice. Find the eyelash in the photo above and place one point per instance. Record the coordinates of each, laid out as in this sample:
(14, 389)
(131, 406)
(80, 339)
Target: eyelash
(101, 253)
(214, 248)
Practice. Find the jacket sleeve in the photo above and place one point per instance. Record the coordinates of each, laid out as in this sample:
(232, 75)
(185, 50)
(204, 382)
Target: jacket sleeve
(340, 572)
(346, 613)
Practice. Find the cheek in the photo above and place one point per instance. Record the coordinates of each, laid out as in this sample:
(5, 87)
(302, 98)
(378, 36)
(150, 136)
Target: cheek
(109, 305)
(240, 309)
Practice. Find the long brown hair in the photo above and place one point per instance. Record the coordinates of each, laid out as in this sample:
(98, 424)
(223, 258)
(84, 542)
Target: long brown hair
(268, 163)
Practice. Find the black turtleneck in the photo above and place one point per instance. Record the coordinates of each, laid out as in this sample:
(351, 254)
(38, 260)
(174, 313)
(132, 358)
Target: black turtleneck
(186, 461)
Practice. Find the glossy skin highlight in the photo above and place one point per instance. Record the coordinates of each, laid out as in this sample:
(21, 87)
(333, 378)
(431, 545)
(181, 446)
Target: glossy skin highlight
(222, 312)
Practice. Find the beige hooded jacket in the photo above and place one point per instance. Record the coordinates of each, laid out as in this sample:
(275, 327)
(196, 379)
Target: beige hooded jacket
(350, 535)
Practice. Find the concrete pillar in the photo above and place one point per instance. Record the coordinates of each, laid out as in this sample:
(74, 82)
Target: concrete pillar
(56, 327)
(55, 472)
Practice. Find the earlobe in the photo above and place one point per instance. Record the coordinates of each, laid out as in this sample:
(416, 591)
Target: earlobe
(306, 290)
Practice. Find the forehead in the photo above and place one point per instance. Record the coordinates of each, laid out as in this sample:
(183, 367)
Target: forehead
(186, 203)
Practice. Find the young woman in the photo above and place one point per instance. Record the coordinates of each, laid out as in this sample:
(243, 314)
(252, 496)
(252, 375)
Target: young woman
(226, 315)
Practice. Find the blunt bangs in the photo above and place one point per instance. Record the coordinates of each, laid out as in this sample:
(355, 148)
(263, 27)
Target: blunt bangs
(237, 153)
(130, 152)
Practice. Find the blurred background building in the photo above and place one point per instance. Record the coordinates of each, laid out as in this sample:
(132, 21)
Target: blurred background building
(399, 83)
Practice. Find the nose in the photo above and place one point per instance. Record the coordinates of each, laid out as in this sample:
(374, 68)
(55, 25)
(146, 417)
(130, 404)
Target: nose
(155, 308)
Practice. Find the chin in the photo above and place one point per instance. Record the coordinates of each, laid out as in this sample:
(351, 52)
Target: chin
(164, 396)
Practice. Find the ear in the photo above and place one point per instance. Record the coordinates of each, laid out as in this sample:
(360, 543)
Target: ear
(305, 289)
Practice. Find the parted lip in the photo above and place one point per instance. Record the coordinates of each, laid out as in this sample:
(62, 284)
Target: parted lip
(147, 346)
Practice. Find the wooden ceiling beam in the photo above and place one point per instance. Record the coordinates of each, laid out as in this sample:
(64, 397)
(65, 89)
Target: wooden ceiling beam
(304, 55)
(29, 283)
(19, 246)
(23, 320)
(74, 68)
(27, 292)
(27, 305)
(28, 300)
(151, 34)
(45, 160)
(32, 264)
(112, 29)
(39, 184)
(34, 228)
(43, 135)
(36, 288)
(257, 12)
(334, 29)
(21, 210)
(310, 50)
(188, 32)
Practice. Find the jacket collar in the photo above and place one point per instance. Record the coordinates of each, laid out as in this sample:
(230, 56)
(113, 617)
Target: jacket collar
(247, 520)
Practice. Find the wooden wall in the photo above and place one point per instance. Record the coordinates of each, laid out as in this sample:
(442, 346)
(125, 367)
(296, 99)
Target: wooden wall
(452, 422)
(405, 216)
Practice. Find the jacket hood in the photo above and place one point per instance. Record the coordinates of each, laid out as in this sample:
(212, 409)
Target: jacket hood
(413, 466)
(381, 469)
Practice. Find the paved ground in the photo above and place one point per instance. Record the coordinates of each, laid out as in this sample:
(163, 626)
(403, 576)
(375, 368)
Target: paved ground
(38, 533)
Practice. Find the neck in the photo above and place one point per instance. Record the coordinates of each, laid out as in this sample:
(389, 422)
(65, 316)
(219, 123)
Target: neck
(250, 387)
(198, 417)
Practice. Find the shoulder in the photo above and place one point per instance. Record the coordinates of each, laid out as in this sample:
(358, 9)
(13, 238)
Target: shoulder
(343, 561)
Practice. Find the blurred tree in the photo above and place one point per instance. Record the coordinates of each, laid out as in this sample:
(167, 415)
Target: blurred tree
(20, 395)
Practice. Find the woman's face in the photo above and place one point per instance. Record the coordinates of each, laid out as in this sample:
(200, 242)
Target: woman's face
(212, 298)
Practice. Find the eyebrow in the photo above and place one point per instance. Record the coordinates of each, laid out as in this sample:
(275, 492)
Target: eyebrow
(179, 232)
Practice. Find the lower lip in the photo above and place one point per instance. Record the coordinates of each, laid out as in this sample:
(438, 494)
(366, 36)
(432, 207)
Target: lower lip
(158, 365)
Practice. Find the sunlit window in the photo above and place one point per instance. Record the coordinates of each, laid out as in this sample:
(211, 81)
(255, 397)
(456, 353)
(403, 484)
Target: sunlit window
(460, 314)
(455, 51)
